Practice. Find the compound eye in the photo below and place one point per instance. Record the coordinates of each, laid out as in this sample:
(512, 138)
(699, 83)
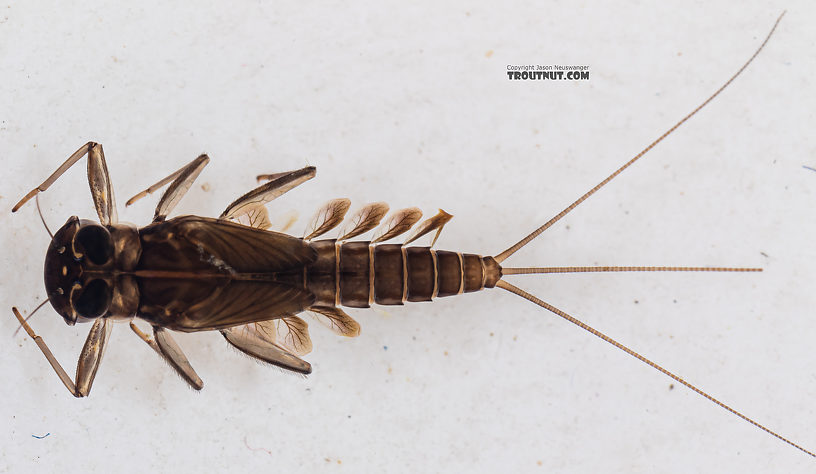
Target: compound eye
(94, 242)
(93, 300)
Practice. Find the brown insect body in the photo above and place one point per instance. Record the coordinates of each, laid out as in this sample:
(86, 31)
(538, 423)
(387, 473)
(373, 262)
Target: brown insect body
(175, 274)
(232, 274)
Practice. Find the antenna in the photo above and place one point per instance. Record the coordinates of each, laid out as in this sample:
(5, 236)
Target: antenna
(39, 211)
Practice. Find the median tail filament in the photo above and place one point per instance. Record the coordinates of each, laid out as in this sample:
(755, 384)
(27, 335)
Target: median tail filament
(539, 270)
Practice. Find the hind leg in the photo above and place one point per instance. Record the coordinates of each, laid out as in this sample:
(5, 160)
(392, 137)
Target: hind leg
(280, 183)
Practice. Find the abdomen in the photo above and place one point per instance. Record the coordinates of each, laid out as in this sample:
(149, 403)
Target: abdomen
(357, 274)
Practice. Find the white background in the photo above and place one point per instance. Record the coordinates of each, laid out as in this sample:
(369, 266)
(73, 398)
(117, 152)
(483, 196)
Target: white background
(411, 105)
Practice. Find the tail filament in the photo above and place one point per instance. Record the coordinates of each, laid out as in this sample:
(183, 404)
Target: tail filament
(502, 256)
(513, 289)
(538, 270)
